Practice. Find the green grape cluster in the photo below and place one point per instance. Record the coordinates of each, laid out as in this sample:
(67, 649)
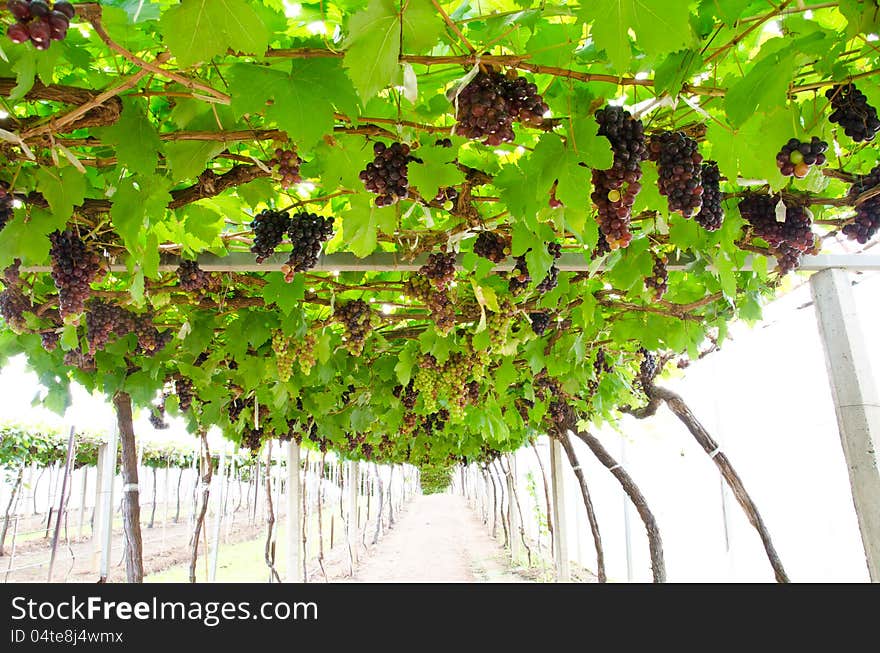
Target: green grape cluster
(426, 382)
(304, 352)
(284, 355)
(498, 325)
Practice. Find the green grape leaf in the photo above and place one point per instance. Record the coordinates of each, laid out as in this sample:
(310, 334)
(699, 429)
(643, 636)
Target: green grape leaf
(187, 159)
(197, 30)
(422, 26)
(660, 26)
(63, 188)
(436, 171)
(373, 47)
(136, 139)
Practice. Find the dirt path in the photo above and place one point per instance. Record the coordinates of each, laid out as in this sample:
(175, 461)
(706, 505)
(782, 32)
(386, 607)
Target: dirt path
(438, 539)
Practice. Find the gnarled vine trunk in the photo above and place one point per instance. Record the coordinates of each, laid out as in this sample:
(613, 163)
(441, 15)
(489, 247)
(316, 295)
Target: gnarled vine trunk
(565, 441)
(206, 470)
(681, 410)
(131, 509)
(655, 544)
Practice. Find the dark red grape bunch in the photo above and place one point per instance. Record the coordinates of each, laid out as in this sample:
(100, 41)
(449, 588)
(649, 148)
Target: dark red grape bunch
(307, 232)
(6, 204)
(602, 247)
(443, 142)
(150, 340)
(648, 367)
(288, 164)
(386, 174)
(185, 391)
(269, 229)
(355, 316)
(711, 215)
(13, 302)
(549, 282)
(74, 267)
(867, 219)
(795, 158)
(659, 279)
(852, 112)
(678, 166)
(492, 246)
(526, 104)
(50, 339)
(103, 320)
(80, 359)
(436, 301)
(157, 415)
(540, 322)
(615, 189)
(483, 110)
(39, 22)
(447, 196)
(440, 269)
(788, 239)
(195, 280)
(520, 277)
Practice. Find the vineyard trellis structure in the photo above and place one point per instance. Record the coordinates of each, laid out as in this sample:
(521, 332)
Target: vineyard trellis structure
(417, 232)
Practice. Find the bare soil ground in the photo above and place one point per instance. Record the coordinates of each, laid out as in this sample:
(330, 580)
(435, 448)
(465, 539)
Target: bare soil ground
(437, 539)
(75, 562)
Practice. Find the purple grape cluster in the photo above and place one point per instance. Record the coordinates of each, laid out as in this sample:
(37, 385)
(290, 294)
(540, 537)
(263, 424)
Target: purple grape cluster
(659, 279)
(550, 281)
(796, 158)
(39, 22)
(678, 167)
(440, 269)
(615, 189)
(288, 164)
(195, 280)
(540, 322)
(355, 316)
(6, 204)
(74, 267)
(386, 174)
(437, 301)
(103, 320)
(491, 102)
(788, 239)
(711, 215)
(852, 112)
(307, 233)
(867, 219)
(269, 228)
(492, 246)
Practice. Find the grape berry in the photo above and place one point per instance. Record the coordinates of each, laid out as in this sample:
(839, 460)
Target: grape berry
(38, 22)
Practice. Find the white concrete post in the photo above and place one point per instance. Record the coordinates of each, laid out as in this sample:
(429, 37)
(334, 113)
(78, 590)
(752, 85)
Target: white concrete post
(96, 524)
(294, 515)
(856, 401)
(352, 510)
(557, 498)
(516, 544)
(107, 500)
(82, 499)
